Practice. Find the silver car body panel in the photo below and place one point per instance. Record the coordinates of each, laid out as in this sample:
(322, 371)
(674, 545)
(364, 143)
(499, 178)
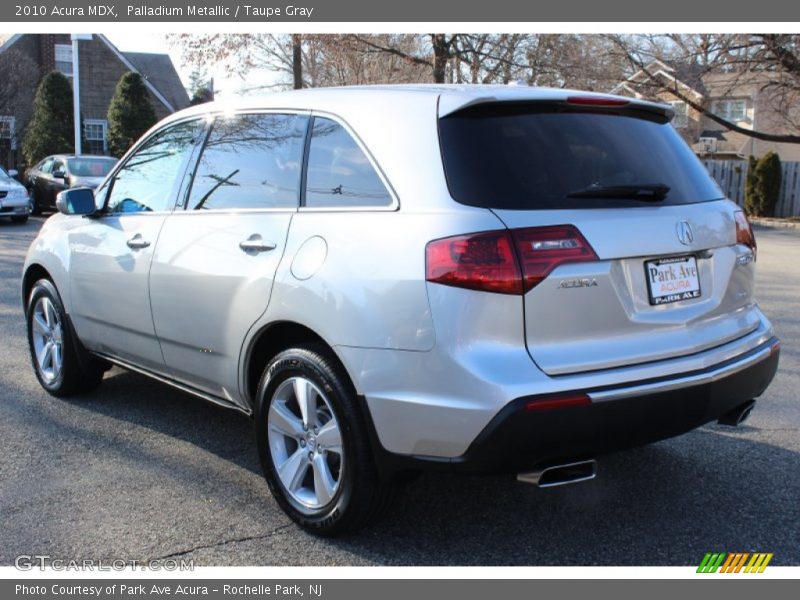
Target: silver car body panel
(434, 363)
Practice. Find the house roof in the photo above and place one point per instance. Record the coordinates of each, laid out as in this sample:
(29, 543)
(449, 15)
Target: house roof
(159, 70)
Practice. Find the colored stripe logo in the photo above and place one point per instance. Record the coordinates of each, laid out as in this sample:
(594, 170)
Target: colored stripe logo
(734, 562)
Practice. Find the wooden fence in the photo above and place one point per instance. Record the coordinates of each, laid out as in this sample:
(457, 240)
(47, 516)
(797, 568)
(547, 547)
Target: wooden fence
(730, 175)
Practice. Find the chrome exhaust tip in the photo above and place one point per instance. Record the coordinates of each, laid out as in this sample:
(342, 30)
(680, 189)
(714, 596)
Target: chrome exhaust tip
(563, 474)
(738, 415)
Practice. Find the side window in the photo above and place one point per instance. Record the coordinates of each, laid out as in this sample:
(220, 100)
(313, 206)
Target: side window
(250, 161)
(148, 179)
(339, 173)
(58, 167)
(46, 165)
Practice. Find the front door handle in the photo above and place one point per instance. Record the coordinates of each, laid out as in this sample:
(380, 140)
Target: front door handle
(255, 244)
(137, 242)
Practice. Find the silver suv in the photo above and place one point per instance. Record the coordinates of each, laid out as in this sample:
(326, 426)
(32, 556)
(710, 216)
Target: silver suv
(391, 279)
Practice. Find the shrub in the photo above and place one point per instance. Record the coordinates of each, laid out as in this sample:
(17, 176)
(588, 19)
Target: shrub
(763, 185)
(130, 113)
(50, 130)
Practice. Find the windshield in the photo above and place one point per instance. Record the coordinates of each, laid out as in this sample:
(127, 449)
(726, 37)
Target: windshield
(90, 167)
(3, 174)
(530, 157)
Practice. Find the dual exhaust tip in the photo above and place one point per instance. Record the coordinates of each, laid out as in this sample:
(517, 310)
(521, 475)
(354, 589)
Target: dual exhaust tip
(555, 475)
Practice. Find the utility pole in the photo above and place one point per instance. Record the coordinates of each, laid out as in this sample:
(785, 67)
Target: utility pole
(76, 86)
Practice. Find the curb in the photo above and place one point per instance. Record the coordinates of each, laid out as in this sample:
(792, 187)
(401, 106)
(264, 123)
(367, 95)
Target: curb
(774, 223)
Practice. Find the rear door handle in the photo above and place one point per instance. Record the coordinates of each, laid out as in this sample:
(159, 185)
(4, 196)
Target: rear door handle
(255, 244)
(137, 242)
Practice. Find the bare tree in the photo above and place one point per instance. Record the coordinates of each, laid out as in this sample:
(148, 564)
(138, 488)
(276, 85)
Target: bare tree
(19, 76)
(770, 61)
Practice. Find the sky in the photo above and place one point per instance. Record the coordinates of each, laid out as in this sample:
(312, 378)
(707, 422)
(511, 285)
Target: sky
(224, 84)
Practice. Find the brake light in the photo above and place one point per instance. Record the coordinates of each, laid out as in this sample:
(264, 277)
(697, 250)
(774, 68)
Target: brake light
(481, 261)
(744, 231)
(505, 261)
(597, 101)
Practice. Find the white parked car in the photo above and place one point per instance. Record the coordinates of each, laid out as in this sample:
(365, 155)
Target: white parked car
(390, 279)
(14, 200)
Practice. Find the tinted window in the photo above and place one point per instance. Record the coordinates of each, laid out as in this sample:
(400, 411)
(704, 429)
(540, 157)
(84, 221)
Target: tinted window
(534, 157)
(339, 173)
(90, 167)
(148, 179)
(251, 161)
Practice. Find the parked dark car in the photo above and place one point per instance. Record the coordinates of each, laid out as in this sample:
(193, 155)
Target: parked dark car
(61, 171)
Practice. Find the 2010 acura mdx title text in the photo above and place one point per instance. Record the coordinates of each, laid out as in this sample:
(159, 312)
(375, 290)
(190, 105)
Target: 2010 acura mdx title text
(391, 279)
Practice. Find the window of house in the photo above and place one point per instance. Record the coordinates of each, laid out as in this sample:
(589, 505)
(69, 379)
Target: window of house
(7, 132)
(339, 173)
(731, 110)
(95, 134)
(64, 59)
(250, 161)
(681, 118)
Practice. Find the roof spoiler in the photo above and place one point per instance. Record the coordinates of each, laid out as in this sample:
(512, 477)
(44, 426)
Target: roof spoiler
(452, 103)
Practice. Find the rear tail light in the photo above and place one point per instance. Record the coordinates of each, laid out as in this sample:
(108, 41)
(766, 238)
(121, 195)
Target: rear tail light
(744, 231)
(505, 261)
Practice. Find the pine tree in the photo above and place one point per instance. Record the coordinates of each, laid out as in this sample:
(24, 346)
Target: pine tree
(130, 113)
(50, 130)
(763, 185)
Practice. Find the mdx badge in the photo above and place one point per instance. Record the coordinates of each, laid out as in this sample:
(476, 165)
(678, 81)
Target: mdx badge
(577, 283)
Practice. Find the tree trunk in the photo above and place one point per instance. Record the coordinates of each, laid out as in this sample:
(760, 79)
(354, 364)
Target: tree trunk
(441, 54)
(297, 61)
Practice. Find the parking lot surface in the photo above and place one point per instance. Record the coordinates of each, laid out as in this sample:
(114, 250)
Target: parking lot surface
(137, 470)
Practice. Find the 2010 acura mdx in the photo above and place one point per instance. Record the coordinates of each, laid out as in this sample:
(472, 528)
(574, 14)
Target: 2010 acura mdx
(391, 279)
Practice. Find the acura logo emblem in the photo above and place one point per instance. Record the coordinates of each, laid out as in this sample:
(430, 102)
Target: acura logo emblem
(685, 235)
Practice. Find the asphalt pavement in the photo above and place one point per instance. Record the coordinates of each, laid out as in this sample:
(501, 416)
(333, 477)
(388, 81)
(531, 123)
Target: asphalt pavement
(137, 470)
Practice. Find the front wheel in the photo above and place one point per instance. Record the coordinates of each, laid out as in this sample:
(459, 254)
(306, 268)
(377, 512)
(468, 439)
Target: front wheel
(61, 363)
(20, 220)
(313, 444)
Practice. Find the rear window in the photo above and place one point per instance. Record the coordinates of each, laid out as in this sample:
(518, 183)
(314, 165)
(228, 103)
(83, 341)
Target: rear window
(90, 167)
(529, 157)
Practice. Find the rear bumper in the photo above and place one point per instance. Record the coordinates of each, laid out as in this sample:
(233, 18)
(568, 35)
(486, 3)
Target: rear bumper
(617, 418)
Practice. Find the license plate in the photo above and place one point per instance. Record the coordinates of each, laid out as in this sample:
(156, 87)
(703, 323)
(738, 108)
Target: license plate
(672, 279)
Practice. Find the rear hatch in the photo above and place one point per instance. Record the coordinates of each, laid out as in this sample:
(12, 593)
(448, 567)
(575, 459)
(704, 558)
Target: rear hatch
(628, 248)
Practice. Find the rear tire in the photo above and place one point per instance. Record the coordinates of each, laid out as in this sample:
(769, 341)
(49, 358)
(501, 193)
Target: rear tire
(313, 445)
(36, 209)
(61, 363)
(19, 220)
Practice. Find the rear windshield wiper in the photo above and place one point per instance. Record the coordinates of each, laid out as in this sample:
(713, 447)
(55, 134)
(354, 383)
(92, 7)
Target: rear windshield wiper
(648, 192)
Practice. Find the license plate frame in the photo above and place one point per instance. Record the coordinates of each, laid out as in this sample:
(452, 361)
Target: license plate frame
(684, 263)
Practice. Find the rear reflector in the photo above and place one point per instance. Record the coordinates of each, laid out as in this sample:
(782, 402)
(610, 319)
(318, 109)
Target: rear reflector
(597, 101)
(558, 401)
(506, 261)
(744, 231)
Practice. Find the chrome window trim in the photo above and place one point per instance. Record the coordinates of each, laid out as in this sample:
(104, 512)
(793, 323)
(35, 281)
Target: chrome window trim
(393, 207)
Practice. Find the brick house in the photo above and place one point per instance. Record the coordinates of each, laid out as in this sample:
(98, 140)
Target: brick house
(742, 98)
(101, 66)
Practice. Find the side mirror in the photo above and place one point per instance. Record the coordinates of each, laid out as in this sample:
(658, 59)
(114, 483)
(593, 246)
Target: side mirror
(76, 201)
(13, 173)
(60, 174)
